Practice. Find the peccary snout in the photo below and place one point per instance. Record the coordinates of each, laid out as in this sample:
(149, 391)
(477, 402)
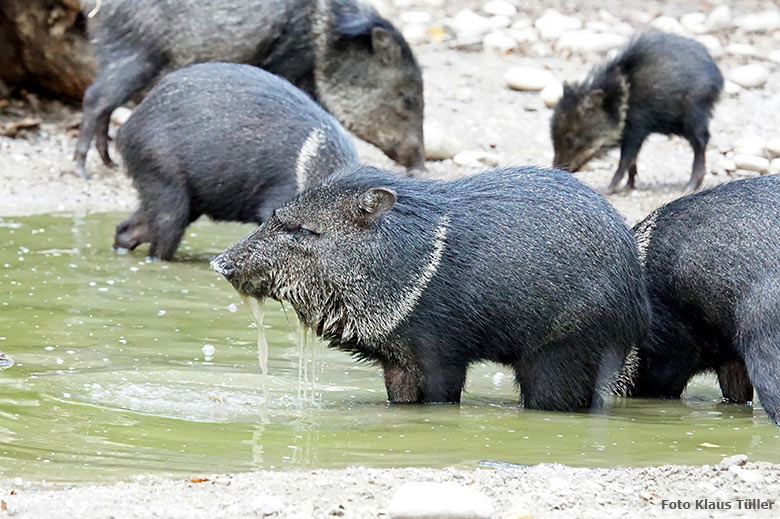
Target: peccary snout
(223, 266)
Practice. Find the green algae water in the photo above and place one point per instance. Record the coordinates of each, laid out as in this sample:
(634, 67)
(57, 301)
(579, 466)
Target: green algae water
(122, 366)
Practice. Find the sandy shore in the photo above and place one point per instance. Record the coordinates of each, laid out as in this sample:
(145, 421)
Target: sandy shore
(523, 492)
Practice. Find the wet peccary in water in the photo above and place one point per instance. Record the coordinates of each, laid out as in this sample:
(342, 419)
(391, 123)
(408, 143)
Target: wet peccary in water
(229, 141)
(341, 52)
(526, 267)
(711, 262)
(660, 83)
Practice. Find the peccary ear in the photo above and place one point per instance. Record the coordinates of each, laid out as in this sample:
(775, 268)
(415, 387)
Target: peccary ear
(374, 203)
(385, 46)
(593, 100)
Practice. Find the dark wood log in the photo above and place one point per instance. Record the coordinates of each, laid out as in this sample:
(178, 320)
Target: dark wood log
(44, 46)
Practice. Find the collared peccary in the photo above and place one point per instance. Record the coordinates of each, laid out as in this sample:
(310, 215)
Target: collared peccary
(660, 83)
(229, 141)
(341, 52)
(526, 267)
(712, 263)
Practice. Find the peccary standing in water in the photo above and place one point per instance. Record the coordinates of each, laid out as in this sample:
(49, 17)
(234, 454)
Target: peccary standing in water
(660, 83)
(526, 267)
(712, 263)
(229, 141)
(341, 52)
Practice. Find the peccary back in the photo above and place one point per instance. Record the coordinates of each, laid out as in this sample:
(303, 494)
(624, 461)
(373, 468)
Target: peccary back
(712, 264)
(229, 141)
(341, 52)
(526, 267)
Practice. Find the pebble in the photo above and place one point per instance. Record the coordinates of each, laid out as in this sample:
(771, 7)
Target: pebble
(694, 22)
(737, 459)
(588, 41)
(773, 147)
(265, 504)
(439, 501)
(712, 44)
(467, 25)
(752, 163)
(774, 56)
(500, 7)
(748, 476)
(551, 94)
(528, 78)
(415, 33)
(669, 24)
(731, 88)
(121, 115)
(749, 76)
(524, 34)
(749, 145)
(774, 166)
(499, 41)
(743, 49)
(552, 24)
(475, 159)
(765, 21)
(415, 17)
(719, 19)
(440, 145)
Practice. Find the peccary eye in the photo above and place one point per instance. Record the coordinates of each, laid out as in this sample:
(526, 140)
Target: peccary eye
(408, 102)
(304, 231)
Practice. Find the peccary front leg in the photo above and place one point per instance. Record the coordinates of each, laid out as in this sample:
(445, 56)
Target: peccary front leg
(401, 385)
(114, 84)
(763, 367)
(735, 382)
(629, 149)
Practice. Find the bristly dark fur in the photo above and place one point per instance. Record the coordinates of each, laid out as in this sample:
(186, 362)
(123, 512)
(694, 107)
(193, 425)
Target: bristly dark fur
(711, 262)
(524, 266)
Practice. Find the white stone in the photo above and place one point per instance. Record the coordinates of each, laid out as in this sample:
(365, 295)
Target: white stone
(260, 505)
(475, 159)
(719, 19)
(774, 166)
(765, 21)
(750, 76)
(775, 56)
(415, 33)
(439, 501)
(752, 163)
(528, 78)
(742, 49)
(712, 43)
(499, 22)
(551, 94)
(748, 476)
(731, 88)
(552, 24)
(588, 41)
(415, 17)
(749, 145)
(121, 115)
(498, 41)
(669, 24)
(468, 24)
(500, 7)
(524, 35)
(773, 147)
(440, 145)
(694, 22)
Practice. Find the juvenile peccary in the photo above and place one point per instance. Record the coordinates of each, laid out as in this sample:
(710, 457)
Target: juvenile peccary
(712, 263)
(660, 83)
(526, 267)
(341, 52)
(229, 141)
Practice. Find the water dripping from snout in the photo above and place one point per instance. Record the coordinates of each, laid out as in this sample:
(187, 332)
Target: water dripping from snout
(257, 306)
(310, 364)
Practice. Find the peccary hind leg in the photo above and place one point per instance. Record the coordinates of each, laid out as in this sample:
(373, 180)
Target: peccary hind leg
(735, 382)
(763, 366)
(132, 231)
(168, 210)
(115, 83)
(401, 385)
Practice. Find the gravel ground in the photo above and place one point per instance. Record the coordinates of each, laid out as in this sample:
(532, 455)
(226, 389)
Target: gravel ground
(466, 99)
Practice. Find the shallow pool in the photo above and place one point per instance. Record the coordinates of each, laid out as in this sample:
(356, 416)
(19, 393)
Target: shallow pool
(110, 379)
